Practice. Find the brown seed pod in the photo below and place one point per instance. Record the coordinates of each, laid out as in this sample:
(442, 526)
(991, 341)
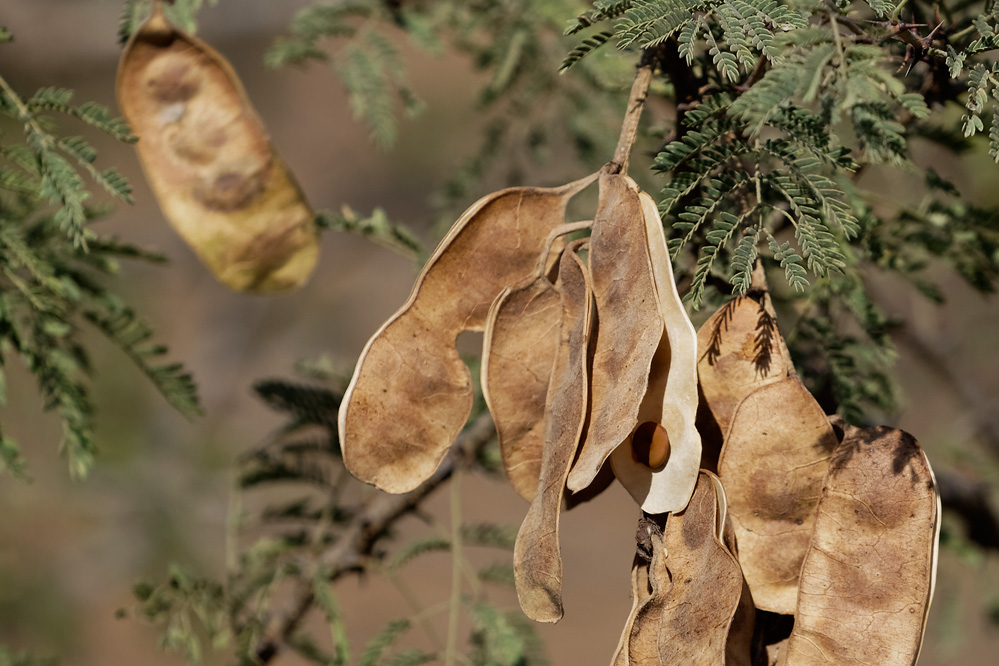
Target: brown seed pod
(664, 483)
(629, 326)
(696, 586)
(640, 593)
(867, 581)
(775, 457)
(209, 161)
(739, 350)
(739, 649)
(411, 394)
(537, 560)
(517, 355)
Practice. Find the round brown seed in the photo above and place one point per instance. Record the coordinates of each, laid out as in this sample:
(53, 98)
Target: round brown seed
(650, 444)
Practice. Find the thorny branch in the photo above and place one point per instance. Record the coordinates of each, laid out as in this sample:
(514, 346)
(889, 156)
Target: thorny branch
(350, 551)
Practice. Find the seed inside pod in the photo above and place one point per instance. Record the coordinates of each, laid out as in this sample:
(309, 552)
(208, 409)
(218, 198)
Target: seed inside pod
(629, 326)
(650, 444)
(670, 395)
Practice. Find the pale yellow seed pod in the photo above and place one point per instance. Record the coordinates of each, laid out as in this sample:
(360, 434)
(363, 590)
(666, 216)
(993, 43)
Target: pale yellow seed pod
(208, 160)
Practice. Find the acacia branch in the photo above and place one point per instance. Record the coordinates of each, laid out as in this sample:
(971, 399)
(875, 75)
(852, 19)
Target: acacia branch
(350, 551)
(629, 127)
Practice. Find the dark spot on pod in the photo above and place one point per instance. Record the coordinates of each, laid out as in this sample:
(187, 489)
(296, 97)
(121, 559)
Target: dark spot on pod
(173, 84)
(232, 190)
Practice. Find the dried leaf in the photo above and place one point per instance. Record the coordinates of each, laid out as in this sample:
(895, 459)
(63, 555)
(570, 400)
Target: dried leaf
(411, 394)
(208, 159)
(537, 559)
(517, 355)
(628, 328)
(740, 349)
(867, 581)
(696, 586)
(773, 462)
(664, 484)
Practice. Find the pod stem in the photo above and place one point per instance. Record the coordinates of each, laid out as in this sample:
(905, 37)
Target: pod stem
(629, 127)
(560, 230)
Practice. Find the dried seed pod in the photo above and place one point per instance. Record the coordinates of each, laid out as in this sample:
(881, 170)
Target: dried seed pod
(517, 355)
(537, 560)
(640, 593)
(208, 160)
(696, 586)
(629, 326)
(867, 581)
(411, 394)
(664, 485)
(773, 462)
(740, 349)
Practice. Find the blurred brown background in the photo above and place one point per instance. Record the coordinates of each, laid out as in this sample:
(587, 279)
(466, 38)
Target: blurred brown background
(70, 552)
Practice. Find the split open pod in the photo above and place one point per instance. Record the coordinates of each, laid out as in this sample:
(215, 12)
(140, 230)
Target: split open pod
(628, 325)
(658, 462)
(208, 159)
(411, 394)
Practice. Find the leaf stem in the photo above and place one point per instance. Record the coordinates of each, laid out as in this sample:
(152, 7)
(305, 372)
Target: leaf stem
(837, 38)
(629, 127)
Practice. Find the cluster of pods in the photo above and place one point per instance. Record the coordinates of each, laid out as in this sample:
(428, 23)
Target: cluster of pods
(583, 361)
(832, 525)
(590, 366)
(590, 363)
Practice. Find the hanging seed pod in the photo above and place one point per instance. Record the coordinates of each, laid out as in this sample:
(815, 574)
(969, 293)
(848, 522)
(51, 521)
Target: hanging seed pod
(629, 326)
(662, 480)
(520, 344)
(696, 587)
(773, 463)
(411, 394)
(740, 350)
(867, 580)
(537, 560)
(208, 160)
(517, 354)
